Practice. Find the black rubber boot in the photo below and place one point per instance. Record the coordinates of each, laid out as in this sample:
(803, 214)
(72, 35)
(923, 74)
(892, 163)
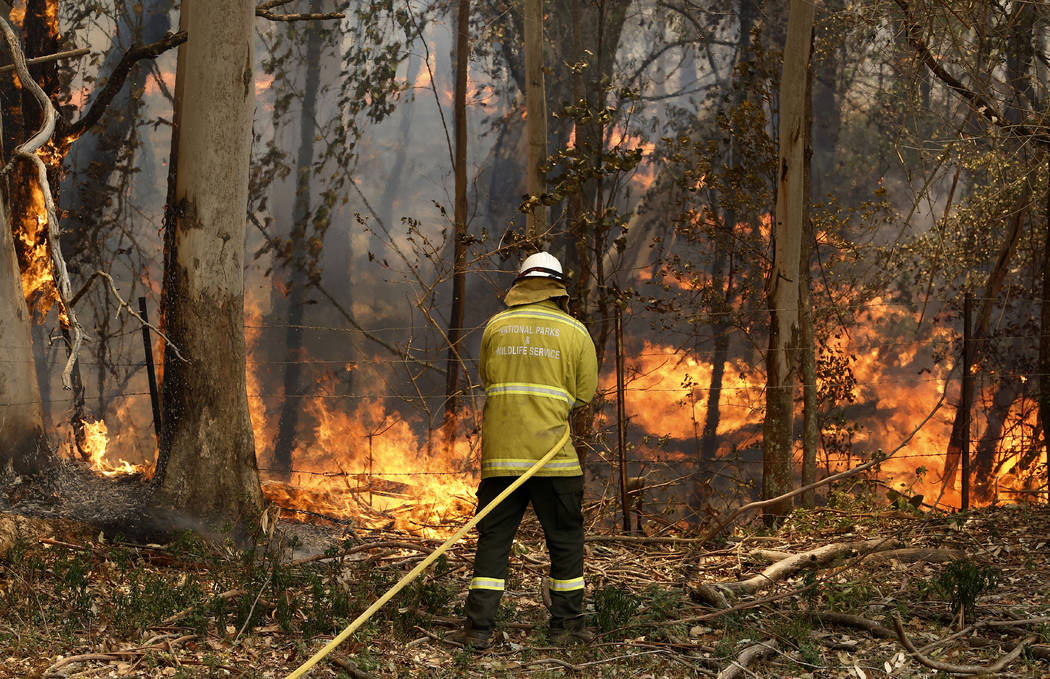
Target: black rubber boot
(473, 638)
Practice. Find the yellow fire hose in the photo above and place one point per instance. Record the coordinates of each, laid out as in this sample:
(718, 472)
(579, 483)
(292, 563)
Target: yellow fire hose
(422, 566)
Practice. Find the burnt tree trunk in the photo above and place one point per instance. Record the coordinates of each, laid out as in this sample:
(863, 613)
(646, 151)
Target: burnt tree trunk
(299, 267)
(207, 466)
(783, 286)
(459, 256)
(807, 343)
(1044, 331)
(25, 199)
(25, 447)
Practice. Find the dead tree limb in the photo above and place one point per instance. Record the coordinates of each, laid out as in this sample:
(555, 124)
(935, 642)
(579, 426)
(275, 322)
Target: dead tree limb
(265, 11)
(116, 81)
(917, 554)
(28, 152)
(718, 594)
(814, 558)
(57, 56)
(854, 621)
(123, 305)
(769, 555)
(349, 667)
(993, 668)
(749, 655)
(876, 460)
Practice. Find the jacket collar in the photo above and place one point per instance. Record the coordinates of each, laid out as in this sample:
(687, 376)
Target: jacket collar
(532, 290)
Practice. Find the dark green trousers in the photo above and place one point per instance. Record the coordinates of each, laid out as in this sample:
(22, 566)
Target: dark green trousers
(557, 501)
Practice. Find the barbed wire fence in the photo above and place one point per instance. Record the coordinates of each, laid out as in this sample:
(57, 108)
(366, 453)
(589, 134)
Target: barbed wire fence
(669, 463)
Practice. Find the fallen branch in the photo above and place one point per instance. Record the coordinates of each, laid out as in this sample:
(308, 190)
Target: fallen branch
(28, 152)
(917, 554)
(854, 621)
(386, 544)
(993, 668)
(715, 593)
(643, 539)
(769, 555)
(350, 668)
(748, 656)
(162, 643)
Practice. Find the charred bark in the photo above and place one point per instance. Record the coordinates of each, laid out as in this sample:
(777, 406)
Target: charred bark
(299, 269)
(807, 343)
(459, 252)
(207, 466)
(25, 446)
(1044, 330)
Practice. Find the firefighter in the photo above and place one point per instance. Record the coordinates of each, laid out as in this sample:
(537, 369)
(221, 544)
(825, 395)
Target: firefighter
(537, 364)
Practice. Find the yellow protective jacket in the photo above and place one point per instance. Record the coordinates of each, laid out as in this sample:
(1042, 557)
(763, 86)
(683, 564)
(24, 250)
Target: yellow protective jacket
(537, 363)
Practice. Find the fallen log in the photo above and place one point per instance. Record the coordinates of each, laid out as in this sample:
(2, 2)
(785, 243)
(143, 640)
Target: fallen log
(917, 554)
(749, 655)
(719, 594)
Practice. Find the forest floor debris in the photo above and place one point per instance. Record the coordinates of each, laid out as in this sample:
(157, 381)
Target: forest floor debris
(860, 591)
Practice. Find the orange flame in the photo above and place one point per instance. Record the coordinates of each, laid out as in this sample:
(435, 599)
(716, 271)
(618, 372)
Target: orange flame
(357, 460)
(38, 282)
(96, 442)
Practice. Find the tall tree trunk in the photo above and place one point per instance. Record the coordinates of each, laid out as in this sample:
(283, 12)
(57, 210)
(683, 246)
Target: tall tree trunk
(1044, 331)
(807, 343)
(299, 267)
(783, 286)
(207, 466)
(459, 264)
(536, 122)
(25, 448)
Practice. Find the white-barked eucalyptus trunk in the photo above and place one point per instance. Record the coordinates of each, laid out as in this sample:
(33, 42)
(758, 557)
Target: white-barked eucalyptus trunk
(24, 447)
(207, 464)
(783, 288)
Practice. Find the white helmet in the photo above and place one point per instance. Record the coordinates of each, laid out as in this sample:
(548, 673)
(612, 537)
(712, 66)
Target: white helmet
(541, 265)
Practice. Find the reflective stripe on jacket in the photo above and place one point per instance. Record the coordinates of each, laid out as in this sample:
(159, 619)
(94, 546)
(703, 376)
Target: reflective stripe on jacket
(537, 363)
